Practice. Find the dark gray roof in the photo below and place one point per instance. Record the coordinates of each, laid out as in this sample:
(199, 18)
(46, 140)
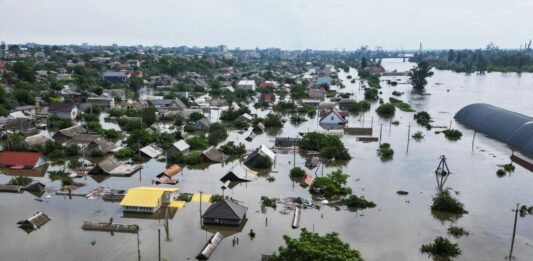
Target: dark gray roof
(225, 209)
(215, 155)
(60, 107)
(114, 74)
(506, 126)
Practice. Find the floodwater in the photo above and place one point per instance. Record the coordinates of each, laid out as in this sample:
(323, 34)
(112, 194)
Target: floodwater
(394, 230)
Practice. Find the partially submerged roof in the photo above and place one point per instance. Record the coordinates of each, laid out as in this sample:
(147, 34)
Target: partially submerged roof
(71, 131)
(152, 150)
(112, 166)
(145, 196)
(215, 155)
(263, 151)
(506, 126)
(239, 173)
(225, 209)
(36, 221)
(173, 170)
(17, 158)
(181, 145)
(104, 145)
(38, 139)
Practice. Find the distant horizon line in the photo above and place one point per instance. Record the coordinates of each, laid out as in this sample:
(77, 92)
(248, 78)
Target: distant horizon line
(244, 48)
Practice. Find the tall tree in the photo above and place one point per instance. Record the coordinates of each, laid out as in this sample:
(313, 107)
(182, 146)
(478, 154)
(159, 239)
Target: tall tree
(419, 74)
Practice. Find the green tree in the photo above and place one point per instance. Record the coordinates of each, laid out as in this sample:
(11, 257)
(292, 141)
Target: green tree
(135, 83)
(24, 71)
(217, 133)
(313, 247)
(419, 74)
(332, 185)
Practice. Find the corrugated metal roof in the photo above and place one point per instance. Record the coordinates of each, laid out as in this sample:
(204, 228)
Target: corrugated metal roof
(506, 126)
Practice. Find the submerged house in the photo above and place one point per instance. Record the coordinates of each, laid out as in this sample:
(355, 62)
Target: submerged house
(286, 142)
(165, 177)
(224, 212)
(113, 167)
(262, 151)
(152, 151)
(239, 174)
(68, 133)
(212, 154)
(259, 127)
(333, 117)
(21, 160)
(147, 199)
(101, 145)
(178, 147)
(36, 221)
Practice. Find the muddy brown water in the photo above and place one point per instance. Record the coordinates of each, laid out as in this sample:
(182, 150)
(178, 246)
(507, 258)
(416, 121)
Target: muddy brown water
(394, 230)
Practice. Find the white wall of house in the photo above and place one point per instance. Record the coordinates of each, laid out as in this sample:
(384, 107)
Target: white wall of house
(332, 118)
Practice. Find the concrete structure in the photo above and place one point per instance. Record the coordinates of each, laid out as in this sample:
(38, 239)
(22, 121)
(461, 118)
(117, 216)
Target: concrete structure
(246, 85)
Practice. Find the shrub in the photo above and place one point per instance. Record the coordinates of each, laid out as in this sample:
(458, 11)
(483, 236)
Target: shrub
(124, 153)
(397, 93)
(509, 167)
(444, 202)
(403, 106)
(193, 158)
(418, 136)
(423, 118)
(261, 162)
(441, 248)
(231, 149)
(273, 120)
(297, 172)
(20, 181)
(267, 202)
(216, 198)
(452, 134)
(500, 173)
(385, 151)
(357, 107)
(402, 192)
(217, 133)
(356, 202)
(197, 143)
(386, 110)
(457, 231)
(371, 94)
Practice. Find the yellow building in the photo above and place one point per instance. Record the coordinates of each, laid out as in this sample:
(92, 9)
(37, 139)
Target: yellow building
(147, 199)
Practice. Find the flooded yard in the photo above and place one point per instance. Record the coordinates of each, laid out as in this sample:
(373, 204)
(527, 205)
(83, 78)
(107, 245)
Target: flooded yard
(393, 230)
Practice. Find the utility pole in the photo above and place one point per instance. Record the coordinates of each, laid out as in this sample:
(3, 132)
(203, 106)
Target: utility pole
(380, 132)
(201, 192)
(159, 241)
(514, 231)
(473, 138)
(294, 155)
(408, 136)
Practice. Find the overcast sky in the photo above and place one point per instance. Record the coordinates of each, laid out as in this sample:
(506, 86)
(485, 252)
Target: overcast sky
(288, 24)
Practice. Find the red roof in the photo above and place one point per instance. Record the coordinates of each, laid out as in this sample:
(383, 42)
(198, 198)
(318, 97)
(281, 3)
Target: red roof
(3, 65)
(307, 180)
(173, 170)
(266, 85)
(268, 97)
(344, 114)
(13, 158)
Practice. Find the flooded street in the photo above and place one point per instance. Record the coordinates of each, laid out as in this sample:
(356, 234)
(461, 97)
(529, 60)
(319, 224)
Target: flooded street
(393, 230)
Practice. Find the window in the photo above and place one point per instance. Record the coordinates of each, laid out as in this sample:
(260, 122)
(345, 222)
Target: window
(332, 118)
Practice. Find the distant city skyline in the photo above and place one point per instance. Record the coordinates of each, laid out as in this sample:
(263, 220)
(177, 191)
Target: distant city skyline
(290, 25)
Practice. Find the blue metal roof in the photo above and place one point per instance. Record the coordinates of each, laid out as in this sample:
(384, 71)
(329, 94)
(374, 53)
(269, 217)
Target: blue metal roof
(510, 127)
